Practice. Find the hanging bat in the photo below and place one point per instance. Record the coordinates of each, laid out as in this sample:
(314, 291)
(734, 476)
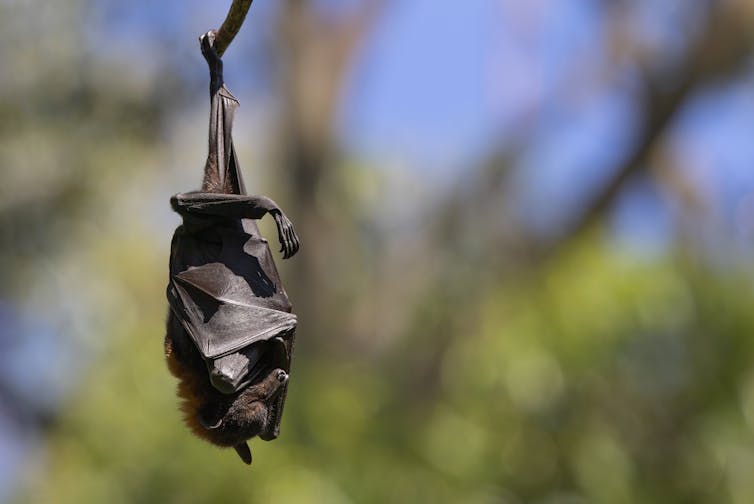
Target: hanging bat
(230, 330)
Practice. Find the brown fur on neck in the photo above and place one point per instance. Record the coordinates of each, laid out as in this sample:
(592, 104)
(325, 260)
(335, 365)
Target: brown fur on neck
(194, 391)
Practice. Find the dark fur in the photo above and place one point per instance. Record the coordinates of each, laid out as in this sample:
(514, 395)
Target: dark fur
(241, 416)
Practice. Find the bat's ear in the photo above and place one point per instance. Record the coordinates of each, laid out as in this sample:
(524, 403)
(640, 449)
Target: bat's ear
(209, 419)
(244, 452)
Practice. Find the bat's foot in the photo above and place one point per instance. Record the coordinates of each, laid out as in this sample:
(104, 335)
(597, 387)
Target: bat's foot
(207, 43)
(208, 38)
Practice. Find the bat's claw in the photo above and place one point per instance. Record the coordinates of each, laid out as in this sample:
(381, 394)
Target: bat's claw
(208, 39)
(289, 242)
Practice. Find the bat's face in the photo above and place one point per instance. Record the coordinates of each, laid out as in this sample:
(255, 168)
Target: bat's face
(227, 419)
(246, 415)
(234, 372)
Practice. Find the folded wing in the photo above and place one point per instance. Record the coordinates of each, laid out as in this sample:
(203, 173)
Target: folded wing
(221, 313)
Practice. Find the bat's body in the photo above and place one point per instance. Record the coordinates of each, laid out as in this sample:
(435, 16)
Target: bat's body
(230, 329)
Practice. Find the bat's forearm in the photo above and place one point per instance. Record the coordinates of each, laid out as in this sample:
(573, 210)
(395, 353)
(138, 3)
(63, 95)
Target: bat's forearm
(233, 206)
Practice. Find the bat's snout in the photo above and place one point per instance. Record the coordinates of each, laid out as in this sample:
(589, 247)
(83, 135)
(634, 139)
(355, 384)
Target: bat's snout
(227, 373)
(231, 373)
(223, 382)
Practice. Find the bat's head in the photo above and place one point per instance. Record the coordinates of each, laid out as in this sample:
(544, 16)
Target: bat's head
(233, 420)
(251, 409)
(234, 372)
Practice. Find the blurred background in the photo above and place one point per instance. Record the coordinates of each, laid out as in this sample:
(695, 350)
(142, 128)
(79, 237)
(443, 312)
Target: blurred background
(526, 267)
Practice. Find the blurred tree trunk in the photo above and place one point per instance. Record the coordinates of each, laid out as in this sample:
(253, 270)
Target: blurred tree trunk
(316, 53)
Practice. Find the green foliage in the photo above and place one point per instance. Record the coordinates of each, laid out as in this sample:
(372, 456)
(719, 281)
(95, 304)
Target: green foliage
(602, 378)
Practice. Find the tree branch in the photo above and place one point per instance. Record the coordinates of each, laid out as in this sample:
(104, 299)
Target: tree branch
(710, 56)
(231, 25)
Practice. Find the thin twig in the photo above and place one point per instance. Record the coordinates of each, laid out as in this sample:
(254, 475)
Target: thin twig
(231, 25)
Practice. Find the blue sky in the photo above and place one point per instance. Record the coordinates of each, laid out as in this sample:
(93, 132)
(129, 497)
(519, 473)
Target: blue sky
(421, 88)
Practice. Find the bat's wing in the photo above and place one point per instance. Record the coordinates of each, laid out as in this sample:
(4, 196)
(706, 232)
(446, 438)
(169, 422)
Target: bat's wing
(283, 348)
(220, 313)
(225, 320)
